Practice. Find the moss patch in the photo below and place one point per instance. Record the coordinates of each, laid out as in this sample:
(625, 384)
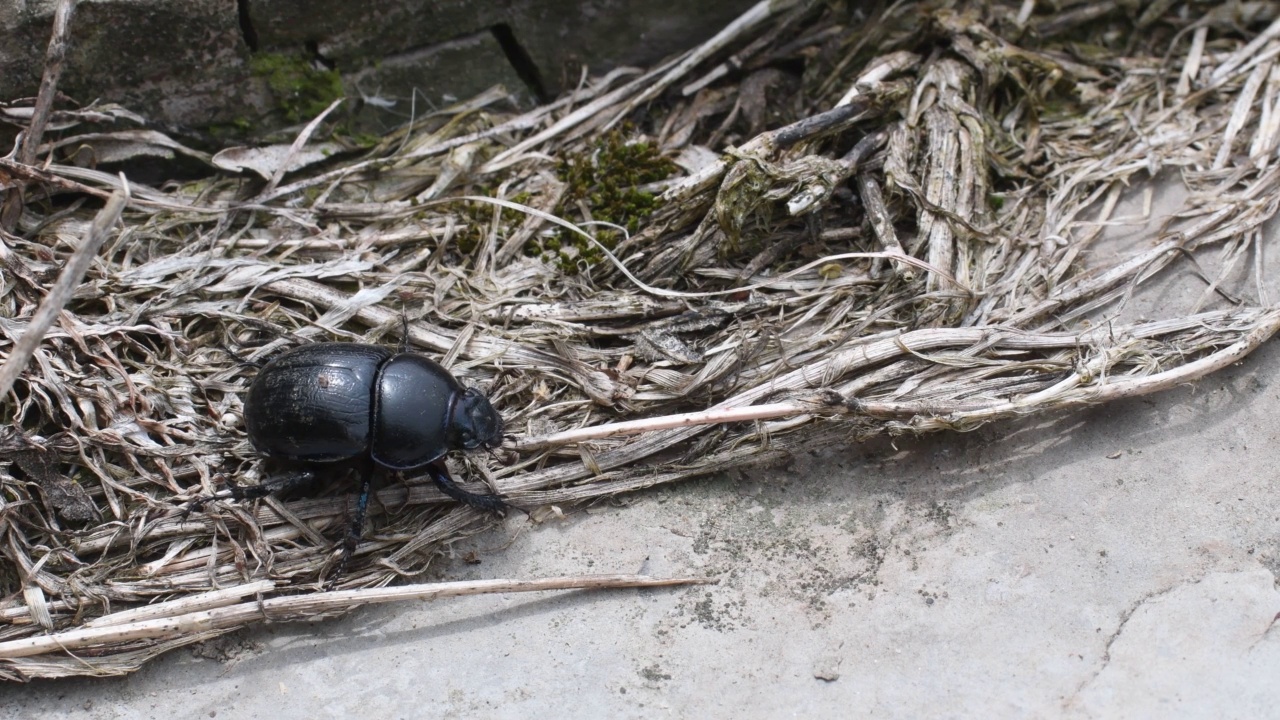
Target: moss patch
(301, 90)
(605, 178)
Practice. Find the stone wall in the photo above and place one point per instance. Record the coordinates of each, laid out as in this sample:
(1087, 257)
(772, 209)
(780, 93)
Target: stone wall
(256, 63)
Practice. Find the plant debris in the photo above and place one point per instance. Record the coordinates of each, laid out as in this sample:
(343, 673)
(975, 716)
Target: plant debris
(819, 226)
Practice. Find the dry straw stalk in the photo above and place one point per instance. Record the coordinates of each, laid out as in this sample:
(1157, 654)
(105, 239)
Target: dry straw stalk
(817, 227)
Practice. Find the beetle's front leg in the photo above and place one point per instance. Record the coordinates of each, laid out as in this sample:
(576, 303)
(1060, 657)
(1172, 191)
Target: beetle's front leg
(489, 503)
(279, 483)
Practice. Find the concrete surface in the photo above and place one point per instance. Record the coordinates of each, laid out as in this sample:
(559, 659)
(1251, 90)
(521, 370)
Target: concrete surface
(1117, 562)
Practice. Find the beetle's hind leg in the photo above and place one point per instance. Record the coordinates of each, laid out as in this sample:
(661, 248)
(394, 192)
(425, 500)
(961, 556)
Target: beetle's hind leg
(488, 503)
(279, 483)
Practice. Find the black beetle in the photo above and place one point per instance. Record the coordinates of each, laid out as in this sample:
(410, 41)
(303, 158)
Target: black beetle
(332, 403)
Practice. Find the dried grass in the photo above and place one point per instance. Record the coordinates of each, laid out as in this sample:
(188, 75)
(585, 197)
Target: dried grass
(912, 248)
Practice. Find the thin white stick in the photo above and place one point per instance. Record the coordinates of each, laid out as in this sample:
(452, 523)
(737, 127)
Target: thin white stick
(1191, 68)
(307, 605)
(296, 147)
(1240, 113)
(877, 73)
(649, 85)
(754, 16)
(665, 422)
(1024, 12)
(182, 606)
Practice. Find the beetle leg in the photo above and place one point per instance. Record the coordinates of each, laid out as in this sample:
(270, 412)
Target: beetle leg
(279, 483)
(356, 530)
(240, 358)
(488, 503)
(404, 329)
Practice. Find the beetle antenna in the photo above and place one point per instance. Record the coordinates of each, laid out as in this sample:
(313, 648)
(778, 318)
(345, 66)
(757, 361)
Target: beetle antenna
(404, 330)
(238, 357)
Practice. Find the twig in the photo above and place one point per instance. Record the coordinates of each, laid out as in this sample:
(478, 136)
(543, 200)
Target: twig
(881, 222)
(767, 143)
(298, 142)
(649, 85)
(307, 605)
(635, 427)
(54, 58)
(754, 15)
(62, 290)
(184, 605)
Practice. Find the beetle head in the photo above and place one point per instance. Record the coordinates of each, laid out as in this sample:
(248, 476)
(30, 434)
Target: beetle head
(475, 422)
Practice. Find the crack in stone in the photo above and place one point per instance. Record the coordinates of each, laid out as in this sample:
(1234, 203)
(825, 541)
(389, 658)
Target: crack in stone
(1125, 617)
(521, 62)
(247, 31)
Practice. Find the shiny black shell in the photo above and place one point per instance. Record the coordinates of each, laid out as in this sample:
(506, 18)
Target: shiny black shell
(330, 402)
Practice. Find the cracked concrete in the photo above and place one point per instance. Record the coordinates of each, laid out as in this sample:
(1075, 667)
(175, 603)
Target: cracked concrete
(1201, 647)
(1173, 644)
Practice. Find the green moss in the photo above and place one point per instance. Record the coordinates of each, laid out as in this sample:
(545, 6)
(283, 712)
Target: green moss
(301, 90)
(346, 133)
(312, 194)
(477, 220)
(605, 178)
(236, 128)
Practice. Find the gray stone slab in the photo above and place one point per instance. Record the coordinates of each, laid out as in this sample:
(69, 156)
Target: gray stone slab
(190, 62)
(397, 86)
(182, 62)
(346, 32)
(560, 36)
